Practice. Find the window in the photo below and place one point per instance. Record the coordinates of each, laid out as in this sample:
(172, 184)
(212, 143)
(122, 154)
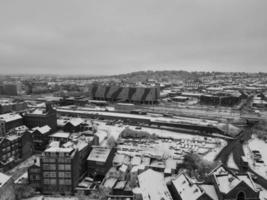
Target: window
(241, 196)
(67, 167)
(53, 174)
(46, 167)
(68, 174)
(52, 167)
(61, 174)
(46, 174)
(53, 181)
(61, 182)
(46, 181)
(61, 167)
(67, 181)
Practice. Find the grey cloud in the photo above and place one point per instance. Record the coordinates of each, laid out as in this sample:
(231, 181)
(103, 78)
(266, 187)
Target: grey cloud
(117, 36)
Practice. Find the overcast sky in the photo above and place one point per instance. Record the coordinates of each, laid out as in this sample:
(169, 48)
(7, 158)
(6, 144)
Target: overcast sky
(118, 36)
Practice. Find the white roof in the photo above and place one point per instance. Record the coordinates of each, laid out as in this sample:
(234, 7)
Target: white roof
(99, 154)
(8, 117)
(228, 182)
(3, 179)
(186, 189)
(76, 121)
(59, 149)
(38, 111)
(210, 191)
(61, 135)
(153, 186)
(43, 129)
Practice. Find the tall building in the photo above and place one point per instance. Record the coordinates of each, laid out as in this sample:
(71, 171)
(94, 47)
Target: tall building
(41, 117)
(59, 170)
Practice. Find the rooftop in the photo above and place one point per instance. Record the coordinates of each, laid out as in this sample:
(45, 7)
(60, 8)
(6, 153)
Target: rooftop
(8, 117)
(156, 191)
(99, 154)
(60, 134)
(186, 189)
(43, 129)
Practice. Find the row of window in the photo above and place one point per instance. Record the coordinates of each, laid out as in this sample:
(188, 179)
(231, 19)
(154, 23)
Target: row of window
(8, 148)
(6, 156)
(55, 174)
(35, 170)
(60, 181)
(66, 167)
(56, 154)
(53, 160)
(35, 177)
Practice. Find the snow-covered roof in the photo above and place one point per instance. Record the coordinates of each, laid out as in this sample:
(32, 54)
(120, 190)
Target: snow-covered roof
(43, 129)
(228, 182)
(3, 179)
(210, 191)
(8, 117)
(76, 121)
(61, 134)
(99, 154)
(153, 186)
(186, 189)
(59, 149)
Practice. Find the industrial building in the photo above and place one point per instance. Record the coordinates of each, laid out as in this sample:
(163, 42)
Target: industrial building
(118, 93)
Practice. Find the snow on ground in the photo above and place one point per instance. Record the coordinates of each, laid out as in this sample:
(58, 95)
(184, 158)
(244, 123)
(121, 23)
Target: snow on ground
(51, 198)
(231, 163)
(256, 144)
(21, 168)
(166, 147)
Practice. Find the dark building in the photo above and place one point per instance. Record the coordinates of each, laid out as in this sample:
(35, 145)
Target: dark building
(74, 125)
(11, 89)
(9, 121)
(41, 137)
(13, 148)
(221, 99)
(7, 106)
(99, 160)
(35, 175)
(41, 117)
(117, 93)
(59, 170)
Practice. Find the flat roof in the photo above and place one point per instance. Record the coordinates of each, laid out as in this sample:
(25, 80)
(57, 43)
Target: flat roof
(99, 154)
(8, 117)
(60, 134)
(156, 191)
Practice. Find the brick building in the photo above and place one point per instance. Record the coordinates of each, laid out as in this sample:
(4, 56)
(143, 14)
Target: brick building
(59, 170)
(41, 117)
(9, 121)
(15, 147)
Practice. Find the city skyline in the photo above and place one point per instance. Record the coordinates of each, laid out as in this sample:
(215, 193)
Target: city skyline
(115, 37)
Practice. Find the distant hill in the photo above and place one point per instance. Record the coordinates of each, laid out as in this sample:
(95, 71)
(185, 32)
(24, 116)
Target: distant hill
(157, 75)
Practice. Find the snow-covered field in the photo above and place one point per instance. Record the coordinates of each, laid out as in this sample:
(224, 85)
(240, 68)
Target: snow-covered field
(256, 144)
(165, 147)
